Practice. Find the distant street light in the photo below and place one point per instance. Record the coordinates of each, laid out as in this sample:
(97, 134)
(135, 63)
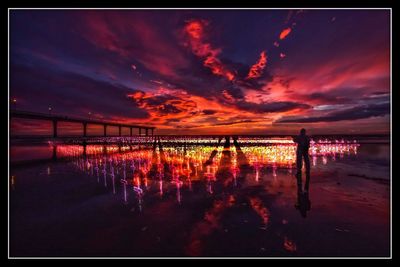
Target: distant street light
(14, 101)
(50, 110)
(90, 115)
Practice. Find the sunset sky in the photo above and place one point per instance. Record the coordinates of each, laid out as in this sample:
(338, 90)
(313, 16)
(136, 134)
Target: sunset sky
(205, 71)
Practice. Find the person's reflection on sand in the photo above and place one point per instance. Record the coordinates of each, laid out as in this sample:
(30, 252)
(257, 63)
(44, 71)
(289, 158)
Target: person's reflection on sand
(303, 144)
(303, 203)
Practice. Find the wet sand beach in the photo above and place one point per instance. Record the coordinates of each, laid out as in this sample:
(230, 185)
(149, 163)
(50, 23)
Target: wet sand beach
(58, 210)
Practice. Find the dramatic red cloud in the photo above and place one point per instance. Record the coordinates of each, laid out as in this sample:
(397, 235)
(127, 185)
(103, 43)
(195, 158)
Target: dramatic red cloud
(369, 72)
(256, 69)
(126, 43)
(177, 110)
(228, 96)
(164, 105)
(194, 30)
(285, 33)
(109, 31)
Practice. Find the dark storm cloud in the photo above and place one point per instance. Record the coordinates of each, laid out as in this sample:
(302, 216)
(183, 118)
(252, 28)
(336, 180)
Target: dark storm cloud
(270, 107)
(328, 97)
(163, 105)
(343, 95)
(38, 88)
(209, 112)
(150, 48)
(237, 122)
(241, 71)
(234, 91)
(253, 84)
(219, 124)
(359, 112)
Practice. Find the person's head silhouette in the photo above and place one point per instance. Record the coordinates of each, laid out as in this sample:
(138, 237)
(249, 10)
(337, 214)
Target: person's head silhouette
(303, 131)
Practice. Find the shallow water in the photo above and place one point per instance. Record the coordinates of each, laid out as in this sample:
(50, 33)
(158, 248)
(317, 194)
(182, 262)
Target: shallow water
(199, 200)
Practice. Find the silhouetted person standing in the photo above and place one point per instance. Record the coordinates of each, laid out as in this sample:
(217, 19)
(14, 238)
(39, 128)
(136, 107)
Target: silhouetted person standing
(303, 144)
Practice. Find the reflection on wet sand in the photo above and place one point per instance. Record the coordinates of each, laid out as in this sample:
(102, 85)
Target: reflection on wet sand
(230, 173)
(303, 203)
(220, 167)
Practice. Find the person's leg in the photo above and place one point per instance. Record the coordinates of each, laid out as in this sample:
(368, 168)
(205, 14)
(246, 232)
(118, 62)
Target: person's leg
(299, 165)
(307, 165)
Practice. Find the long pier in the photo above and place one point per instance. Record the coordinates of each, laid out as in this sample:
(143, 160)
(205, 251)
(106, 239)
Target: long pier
(57, 118)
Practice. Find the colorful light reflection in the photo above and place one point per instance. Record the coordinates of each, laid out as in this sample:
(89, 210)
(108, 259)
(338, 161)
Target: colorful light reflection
(178, 161)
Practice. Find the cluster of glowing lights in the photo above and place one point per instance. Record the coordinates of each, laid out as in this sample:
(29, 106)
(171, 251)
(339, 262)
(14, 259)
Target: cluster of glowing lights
(140, 140)
(141, 164)
(191, 159)
(282, 152)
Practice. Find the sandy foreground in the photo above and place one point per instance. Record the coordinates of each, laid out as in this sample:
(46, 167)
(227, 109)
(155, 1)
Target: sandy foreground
(57, 210)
